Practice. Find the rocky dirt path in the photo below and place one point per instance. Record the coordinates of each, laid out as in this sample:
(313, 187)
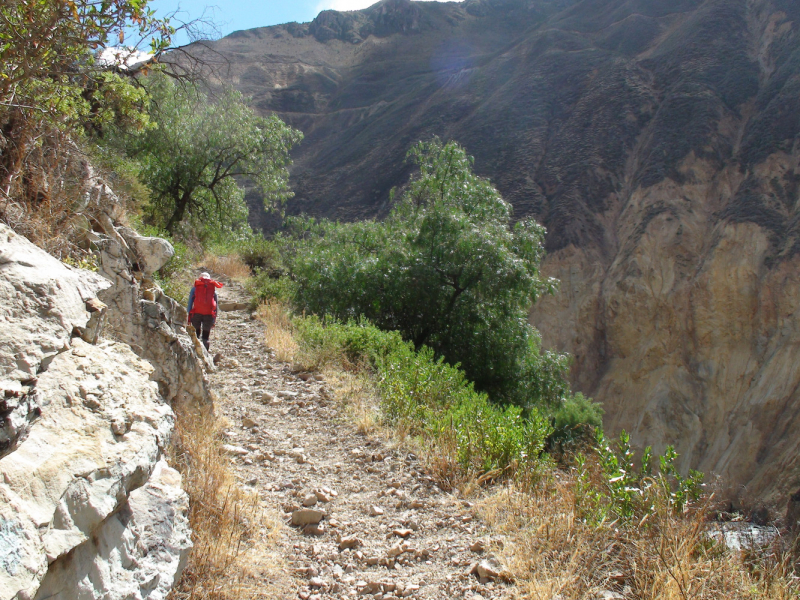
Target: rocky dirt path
(363, 519)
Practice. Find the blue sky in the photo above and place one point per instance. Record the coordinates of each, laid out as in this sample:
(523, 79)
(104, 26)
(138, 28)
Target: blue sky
(230, 15)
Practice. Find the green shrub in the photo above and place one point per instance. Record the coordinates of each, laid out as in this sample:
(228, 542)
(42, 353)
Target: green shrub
(575, 419)
(448, 269)
(264, 286)
(257, 252)
(353, 342)
(613, 488)
(428, 397)
(261, 254)
(491, 437)
(416, 386)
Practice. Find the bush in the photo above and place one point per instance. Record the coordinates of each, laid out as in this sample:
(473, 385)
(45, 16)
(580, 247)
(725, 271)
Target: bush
(261, 254)
(447, 270)
(612, 488)
(427, 397)
(356, 342)
(263, 286)
(574, 420)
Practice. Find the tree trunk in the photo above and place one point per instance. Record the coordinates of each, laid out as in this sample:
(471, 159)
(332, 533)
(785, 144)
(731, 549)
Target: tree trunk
(12, 153)
(180, 209)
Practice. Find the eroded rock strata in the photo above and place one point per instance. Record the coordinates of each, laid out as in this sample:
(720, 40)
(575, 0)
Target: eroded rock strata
(657, 141)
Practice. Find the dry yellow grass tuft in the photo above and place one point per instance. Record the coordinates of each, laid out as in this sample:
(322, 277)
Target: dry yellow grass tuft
(233, 557)
(356, 396)
(553, 553)
(279, 332)
(231, 266)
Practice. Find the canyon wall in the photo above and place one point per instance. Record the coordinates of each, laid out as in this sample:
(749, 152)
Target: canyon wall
(659, 142)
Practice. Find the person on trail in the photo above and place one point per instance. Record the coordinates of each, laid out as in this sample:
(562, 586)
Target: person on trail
(202, 307)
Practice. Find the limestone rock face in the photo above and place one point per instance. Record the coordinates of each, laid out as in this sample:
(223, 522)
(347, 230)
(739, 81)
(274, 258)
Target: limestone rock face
(88, 509)
(43, 302)
(137, 552)
(102, 429)
(140, 314)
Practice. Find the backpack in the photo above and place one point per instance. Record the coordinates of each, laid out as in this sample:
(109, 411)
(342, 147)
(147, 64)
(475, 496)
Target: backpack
(204, 301)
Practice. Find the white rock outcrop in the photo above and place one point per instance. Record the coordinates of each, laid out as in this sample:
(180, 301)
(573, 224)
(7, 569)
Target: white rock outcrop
(43, 303)
(139, 313)
(137, 553)
(152, 323)
(152, 252)
(87, 507)
(101, 433)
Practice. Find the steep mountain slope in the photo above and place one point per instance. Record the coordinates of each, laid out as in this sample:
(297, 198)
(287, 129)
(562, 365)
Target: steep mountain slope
(658, 142)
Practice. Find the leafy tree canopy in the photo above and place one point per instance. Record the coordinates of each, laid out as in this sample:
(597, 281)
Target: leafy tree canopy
(448, 270)
(50, 79)
(50, 39)
(199, 148)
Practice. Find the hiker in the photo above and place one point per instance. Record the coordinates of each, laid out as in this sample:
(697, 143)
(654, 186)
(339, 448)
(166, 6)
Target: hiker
(203, 306)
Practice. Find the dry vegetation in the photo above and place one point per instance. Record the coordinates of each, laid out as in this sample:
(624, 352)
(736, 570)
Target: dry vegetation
(279, 334)
(231, 266)
(554, 553)
(232, 558)
(354, 391)
(49, 204)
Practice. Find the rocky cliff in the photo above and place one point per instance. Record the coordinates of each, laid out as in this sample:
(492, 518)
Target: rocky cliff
(659, 142)
(90, 364)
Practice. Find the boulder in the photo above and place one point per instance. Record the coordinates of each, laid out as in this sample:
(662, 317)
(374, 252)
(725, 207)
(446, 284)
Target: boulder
(307, 516)
(231, 305)
(152, 252)
(19, 407)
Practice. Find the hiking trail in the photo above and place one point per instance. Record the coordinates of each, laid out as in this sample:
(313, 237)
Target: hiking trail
(388, 530)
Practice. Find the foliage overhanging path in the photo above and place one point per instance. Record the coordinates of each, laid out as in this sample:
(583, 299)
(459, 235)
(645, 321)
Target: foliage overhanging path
(289, 444)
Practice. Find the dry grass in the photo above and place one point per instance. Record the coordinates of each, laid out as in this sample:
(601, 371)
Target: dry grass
(552, 553)
(231, 266)
(233, 556)
(279, 333)
(441, 457)
(356, 396)
(48, 202)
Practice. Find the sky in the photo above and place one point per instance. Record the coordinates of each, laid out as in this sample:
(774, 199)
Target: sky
(231, 15)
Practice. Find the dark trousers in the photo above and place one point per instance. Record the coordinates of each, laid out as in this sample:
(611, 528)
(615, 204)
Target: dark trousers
(202, 325)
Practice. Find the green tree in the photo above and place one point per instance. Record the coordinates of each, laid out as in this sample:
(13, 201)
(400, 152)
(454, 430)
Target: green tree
(200, 146)
(448, 270)
(49, 78)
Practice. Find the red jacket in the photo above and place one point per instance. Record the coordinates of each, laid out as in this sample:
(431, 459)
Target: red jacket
(203, 297)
